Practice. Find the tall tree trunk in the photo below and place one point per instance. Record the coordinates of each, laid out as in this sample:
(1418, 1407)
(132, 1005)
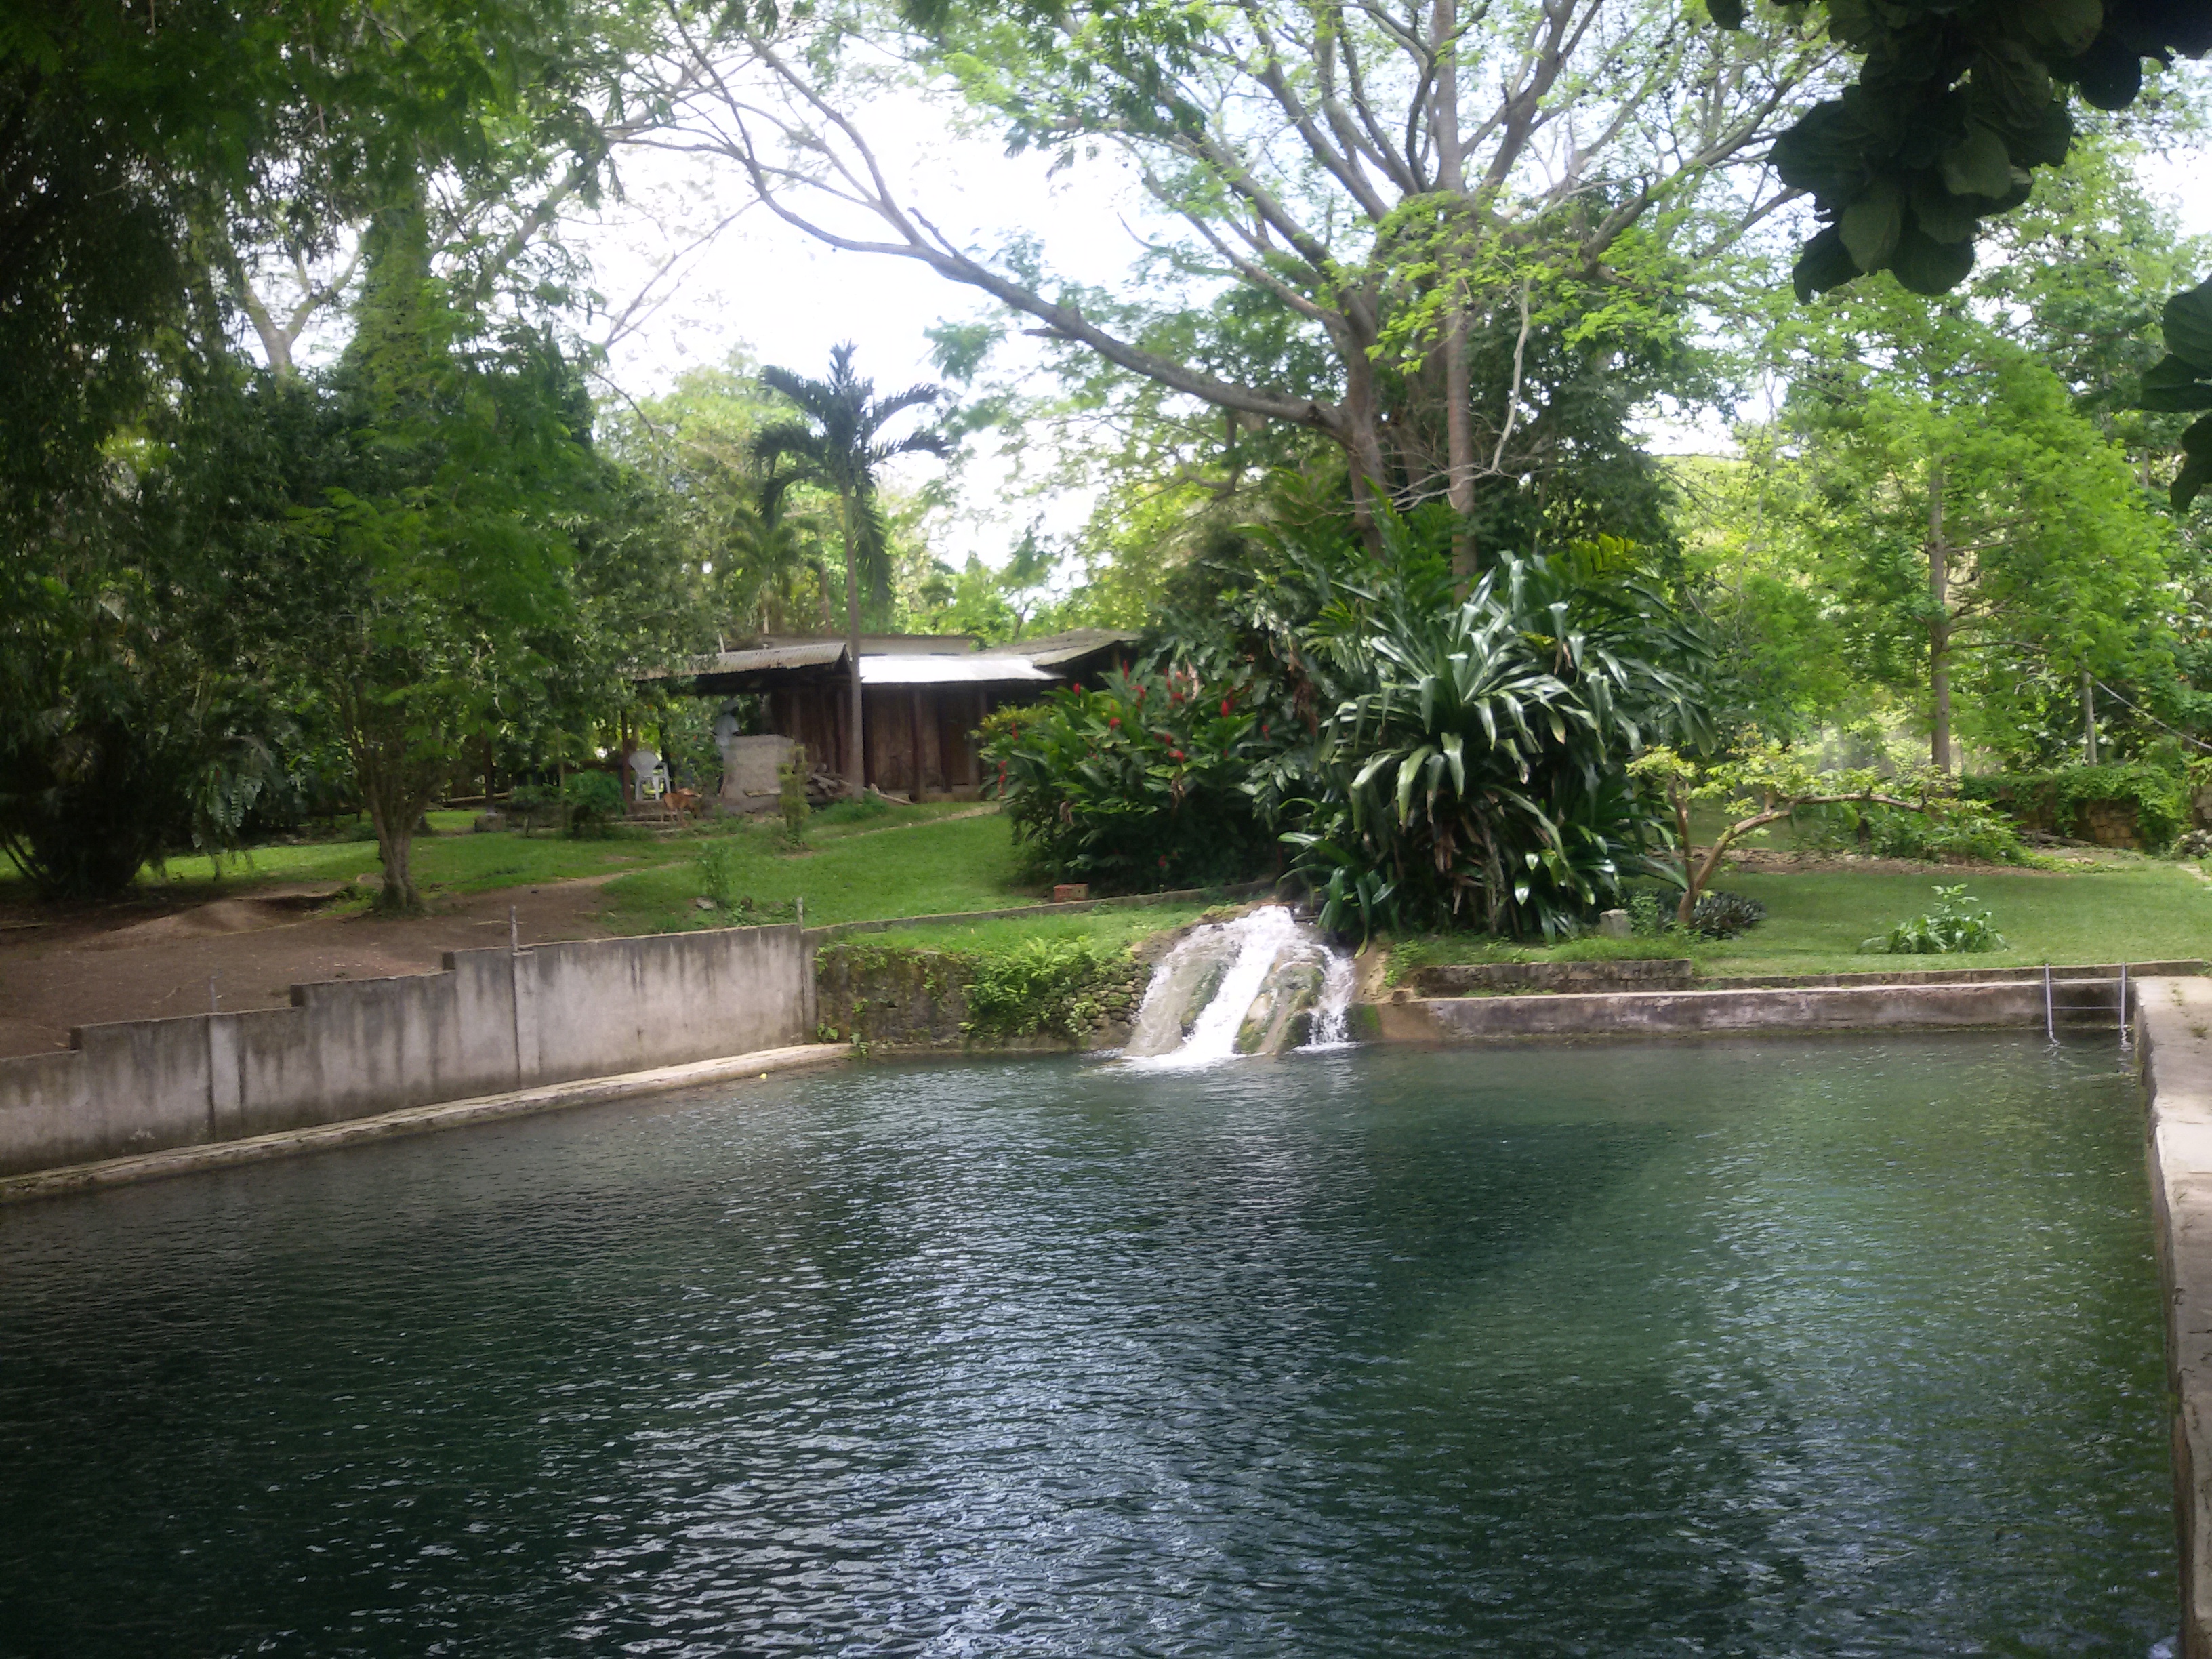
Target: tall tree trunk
(1939, 628)
(2088, 718)
(1451, 183)
(395, 848)
(855, 752)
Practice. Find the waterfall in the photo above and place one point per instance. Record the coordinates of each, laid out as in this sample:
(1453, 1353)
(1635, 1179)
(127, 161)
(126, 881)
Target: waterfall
(1259, 985)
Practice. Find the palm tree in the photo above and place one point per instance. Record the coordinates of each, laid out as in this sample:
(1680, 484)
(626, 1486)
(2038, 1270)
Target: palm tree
(836, 444)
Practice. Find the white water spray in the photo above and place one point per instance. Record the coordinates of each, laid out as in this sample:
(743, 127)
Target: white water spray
(1259, 984)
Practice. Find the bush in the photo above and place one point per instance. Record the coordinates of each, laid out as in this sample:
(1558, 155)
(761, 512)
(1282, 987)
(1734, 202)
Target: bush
(1043, 985)
(2055, 800)
(594, 800)
(1475, 771)
(791, 795)
(1134, 787)
(718, 876)
(1951, 928)
(1956, 830)
(1724, 915)
(852, 810)
(532, 801)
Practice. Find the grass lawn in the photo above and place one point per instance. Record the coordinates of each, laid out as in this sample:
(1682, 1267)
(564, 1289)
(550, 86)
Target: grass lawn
(2141, 911)
(968, 864)
(453, 860)
(1120, 926)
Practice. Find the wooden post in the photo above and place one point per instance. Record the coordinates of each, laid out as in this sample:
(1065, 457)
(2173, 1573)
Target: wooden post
(914, 728)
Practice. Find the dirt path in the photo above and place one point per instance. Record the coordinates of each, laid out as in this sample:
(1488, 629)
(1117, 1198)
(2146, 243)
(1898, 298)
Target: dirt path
(140, 961)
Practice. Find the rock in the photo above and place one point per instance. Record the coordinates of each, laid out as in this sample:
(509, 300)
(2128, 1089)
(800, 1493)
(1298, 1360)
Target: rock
(488, 823)
(702, 903)
(1614, 924)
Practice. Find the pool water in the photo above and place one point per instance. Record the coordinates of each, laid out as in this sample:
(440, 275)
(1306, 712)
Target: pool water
(1782, 1348)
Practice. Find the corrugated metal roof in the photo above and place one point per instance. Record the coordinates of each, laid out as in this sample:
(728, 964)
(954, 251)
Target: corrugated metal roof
(971, 669)
(1053, 649)
(819, 654)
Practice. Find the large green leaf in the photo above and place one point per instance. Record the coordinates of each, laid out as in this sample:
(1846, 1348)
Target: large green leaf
(1927, 266)
(2196, 472)
(1871, 225)
(1946, 217)
(2060, 29)
(2187, 322)
(1979, 164)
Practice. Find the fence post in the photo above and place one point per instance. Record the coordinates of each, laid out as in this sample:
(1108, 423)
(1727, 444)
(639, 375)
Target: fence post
(2050, 1020)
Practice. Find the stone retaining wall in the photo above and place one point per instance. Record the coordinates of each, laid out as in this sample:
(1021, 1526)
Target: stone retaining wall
(492, 1021)
(905, 999)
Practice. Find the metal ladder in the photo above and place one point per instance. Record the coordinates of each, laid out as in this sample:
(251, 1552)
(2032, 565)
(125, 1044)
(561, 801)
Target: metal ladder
(2053, 1009)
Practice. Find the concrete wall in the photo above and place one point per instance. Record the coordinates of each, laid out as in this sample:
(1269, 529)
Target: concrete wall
(1683, 1013)
(490, 1022)
(2173, 1020)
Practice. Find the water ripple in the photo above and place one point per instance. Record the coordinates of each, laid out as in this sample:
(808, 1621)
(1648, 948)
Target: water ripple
(1730, 1349)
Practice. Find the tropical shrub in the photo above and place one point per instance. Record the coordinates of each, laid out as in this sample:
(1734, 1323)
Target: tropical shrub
(1137, 786)
(1954, 925)
(593, 801)
(1476, 772)
(1724, 915)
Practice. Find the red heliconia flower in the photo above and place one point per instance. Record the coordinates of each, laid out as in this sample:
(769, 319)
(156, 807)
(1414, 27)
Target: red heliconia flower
(1225, 708)
(1113, 720)
(1263, 728)
(1164, 860)
(1175, 754)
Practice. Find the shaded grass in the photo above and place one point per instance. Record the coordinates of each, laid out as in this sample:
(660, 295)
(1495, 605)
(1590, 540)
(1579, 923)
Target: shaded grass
(2141, 911)
(455, 861)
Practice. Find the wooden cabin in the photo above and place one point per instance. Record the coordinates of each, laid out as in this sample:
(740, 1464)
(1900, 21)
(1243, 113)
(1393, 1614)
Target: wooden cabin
(921, 697)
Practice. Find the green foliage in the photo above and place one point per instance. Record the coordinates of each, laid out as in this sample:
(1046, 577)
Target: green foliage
(1953, 927)
(2181, 383)
(2055, 800)
(1952, 111)
(838, 443)
(856, 809)
(1051, 986)
(791, 795)
(1137, 786)
(1969, 531)
(1475, 768)
(1967, 830)
(532, 801)
(593, 801)
(1718, 914)
(718, 875)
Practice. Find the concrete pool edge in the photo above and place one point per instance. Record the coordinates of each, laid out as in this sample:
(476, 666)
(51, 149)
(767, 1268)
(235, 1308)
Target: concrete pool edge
(1808, 1009)
(412, 1121)
(2174, 1019)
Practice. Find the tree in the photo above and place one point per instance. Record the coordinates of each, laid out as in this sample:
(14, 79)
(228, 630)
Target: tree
(1327, 162)
(1762, 787)
(839, 444)
(1969, 522)
(410, 546)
